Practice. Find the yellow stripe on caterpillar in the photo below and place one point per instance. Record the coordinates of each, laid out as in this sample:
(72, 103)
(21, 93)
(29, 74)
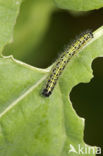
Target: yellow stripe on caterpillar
(62, 61)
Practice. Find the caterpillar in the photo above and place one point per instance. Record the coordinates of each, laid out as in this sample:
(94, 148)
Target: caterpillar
(62, 61)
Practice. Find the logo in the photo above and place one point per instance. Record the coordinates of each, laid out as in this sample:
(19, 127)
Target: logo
(80, 149)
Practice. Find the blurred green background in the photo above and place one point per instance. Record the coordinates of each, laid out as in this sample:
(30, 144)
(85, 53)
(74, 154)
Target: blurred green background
(41, 33)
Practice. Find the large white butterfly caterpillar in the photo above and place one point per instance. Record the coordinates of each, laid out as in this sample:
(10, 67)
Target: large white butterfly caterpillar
(62, 61)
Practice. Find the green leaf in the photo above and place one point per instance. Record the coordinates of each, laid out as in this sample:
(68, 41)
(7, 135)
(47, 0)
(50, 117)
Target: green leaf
(79, 5)
(33, 125)
(8, 13)
(31, 26)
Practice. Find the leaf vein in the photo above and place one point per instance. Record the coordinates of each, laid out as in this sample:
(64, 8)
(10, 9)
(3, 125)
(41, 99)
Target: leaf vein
(14, 103)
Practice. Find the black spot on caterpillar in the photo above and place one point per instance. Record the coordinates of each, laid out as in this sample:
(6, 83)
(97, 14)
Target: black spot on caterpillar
(62, 61)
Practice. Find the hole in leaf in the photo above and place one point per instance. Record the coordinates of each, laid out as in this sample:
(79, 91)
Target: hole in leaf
(87, 100)
(38, 43)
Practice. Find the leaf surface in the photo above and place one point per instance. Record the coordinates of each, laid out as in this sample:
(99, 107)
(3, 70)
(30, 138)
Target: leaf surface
(31, 124)
(8, 12)
(79, 5)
